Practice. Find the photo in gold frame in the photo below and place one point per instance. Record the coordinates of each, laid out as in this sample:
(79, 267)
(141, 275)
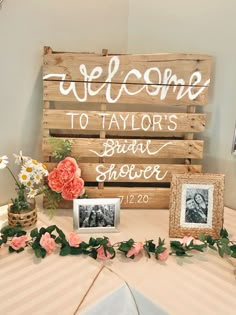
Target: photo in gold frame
(196, 204)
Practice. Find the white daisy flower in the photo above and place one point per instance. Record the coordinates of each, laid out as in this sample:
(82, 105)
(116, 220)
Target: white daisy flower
(19, 159)
(3, 161)
(24, 177)
(32, 193)
(43, 169)
(29, 184)
(37, 178)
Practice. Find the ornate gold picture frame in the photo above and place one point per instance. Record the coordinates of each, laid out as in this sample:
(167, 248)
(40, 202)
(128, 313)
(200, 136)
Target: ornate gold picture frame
(196, 204)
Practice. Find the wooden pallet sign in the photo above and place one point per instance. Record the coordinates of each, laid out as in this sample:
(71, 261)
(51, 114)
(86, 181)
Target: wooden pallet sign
(132, 119)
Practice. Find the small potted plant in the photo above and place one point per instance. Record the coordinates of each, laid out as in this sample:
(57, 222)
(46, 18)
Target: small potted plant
(29, 183)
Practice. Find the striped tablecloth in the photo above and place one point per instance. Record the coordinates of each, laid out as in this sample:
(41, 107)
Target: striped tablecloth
(204, 284)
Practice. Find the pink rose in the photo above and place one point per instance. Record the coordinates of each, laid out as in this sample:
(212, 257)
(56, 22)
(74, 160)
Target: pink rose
(54, 181)
(164, 255)
(73, 189)
(67, 169)
(187, 240)
(74, 239)
(135, 249)
(47, 242)
(18, 242)
(101, 254)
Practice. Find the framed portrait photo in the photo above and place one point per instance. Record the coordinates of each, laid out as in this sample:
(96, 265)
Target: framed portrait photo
(96, 215)
(196, 204)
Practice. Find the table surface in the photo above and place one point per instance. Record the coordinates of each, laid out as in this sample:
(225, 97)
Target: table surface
(203, 284)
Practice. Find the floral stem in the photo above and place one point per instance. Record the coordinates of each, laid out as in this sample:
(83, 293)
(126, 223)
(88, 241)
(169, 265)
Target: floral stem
(13, 176)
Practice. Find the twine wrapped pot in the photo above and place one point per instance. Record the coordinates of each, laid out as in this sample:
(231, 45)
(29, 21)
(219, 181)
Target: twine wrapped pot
(25, 219)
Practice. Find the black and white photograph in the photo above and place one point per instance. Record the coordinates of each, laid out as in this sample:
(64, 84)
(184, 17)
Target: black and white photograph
(196, 205)
(95, 215)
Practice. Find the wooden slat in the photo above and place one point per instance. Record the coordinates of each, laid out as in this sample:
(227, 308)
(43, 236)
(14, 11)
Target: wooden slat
(78, 67)
(89, 147)
(167, 95)
(132, 197)
(92, 172)
(122, 121)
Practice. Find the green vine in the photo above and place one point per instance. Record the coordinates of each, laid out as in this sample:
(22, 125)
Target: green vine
(129, 249)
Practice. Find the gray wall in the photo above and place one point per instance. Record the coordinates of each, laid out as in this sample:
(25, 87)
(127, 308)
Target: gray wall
(122, 26)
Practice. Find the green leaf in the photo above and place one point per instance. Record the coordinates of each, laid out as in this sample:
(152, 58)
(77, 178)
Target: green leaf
(161, 242)
(150, 246)
(40, 252)
(58, 240)
(93, 253)
(202, 237)
(199, 247)
(224, 233)
(77, 251)
(212, 247)
(175, 244)
(146, 249)
(11, 250)
(65, 251)
(34, 233)
(42, 231)
(93, 242)
(233, 248)
(224, 241)
(159, 250)
(210, 240)
(233, 255)
(20, 250)
(226, 250)
(83, 245)
(124, 247)
(111, 251)
(220, 251)
(60, 233)
(181, 252)
(50, 228)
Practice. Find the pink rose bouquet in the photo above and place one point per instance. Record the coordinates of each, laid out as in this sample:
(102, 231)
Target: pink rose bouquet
(65, 179)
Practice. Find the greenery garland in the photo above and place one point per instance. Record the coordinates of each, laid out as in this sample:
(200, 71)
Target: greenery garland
(44, 240)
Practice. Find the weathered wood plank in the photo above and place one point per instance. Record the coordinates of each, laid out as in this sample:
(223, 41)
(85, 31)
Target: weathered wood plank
(131, 197)
(132, 148)
(123, 121)
(124, 94)
(142, 173)
(170, 69)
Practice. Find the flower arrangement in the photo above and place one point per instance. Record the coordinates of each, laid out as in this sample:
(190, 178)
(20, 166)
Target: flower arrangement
(64, 181)
(29, 182)
(44, 241)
